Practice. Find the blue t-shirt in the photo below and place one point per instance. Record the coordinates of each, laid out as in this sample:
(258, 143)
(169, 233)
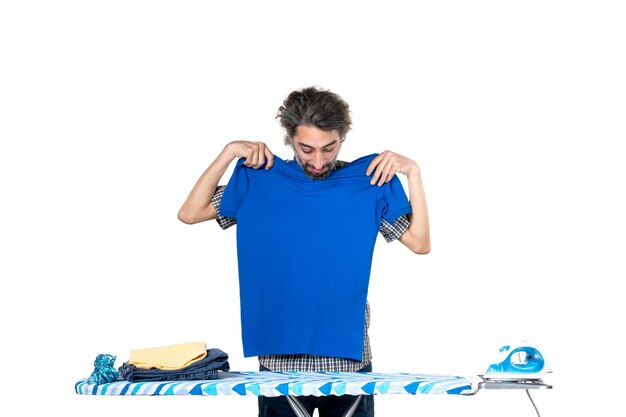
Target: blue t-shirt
(304, 252)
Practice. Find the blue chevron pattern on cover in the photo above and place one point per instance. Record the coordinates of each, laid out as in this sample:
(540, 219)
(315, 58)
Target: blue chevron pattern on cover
(275, 384)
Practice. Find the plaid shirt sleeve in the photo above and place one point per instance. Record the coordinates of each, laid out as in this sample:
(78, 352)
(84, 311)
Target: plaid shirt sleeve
(392, 231)
(223, 221)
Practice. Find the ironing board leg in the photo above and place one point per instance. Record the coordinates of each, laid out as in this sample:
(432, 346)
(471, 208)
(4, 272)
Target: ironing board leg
(297, 407)
(300, 411)
(353, 407)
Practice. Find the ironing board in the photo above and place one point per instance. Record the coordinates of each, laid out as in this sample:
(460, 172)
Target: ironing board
(291, 385)
(275, 384)
(294, 384)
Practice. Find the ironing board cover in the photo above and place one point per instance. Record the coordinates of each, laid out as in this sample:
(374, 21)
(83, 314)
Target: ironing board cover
(273, 384)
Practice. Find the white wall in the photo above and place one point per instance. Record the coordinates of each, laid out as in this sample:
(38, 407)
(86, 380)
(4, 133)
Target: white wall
(109, 111)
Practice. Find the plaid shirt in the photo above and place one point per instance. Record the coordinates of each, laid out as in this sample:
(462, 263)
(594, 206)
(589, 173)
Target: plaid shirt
(305, 362)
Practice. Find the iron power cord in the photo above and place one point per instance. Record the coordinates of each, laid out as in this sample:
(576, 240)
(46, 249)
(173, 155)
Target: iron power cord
(533, 403)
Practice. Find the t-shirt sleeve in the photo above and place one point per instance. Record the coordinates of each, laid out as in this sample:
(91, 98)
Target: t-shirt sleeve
(392, 200)
(235, 191)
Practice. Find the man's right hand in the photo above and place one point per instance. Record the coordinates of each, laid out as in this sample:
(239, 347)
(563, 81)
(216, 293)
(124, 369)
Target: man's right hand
(198, 207)
(255, 153)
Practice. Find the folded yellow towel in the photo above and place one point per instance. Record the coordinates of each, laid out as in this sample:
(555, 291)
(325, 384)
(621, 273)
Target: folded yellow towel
(168, 357)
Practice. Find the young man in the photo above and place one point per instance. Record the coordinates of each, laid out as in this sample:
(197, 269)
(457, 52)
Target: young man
(316, 123)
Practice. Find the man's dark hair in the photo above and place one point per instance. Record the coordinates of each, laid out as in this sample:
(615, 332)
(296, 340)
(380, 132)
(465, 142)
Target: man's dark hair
(313, 106)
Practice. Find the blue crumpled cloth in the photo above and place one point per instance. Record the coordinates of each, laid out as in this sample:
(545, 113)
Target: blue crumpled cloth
(104, 371)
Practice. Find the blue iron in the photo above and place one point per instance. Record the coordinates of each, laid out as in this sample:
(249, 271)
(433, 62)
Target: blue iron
(519, 362)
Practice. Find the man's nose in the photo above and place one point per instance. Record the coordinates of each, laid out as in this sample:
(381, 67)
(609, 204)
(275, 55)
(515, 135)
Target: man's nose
(318, 161)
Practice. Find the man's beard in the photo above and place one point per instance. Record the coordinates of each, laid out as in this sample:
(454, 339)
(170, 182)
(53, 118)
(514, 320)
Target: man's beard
(328, 168)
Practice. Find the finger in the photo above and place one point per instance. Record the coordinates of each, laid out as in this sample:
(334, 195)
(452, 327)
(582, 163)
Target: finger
(373, 163)
(386, 177)
(385, 168)
(262, 155)
(380, 169)
(374, 177)
(247, 157)
(252, 157)
(390, 170)
(270, 158)
(259, 157)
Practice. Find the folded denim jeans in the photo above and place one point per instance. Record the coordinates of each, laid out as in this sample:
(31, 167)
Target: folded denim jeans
(215, 360)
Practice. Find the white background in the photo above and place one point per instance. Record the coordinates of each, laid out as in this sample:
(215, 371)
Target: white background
(109, 112)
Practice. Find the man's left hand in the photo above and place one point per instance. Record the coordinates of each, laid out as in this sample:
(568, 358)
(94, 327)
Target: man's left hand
(386, 164)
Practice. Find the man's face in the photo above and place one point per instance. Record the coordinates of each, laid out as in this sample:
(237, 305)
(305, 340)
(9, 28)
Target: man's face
(316, 150)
